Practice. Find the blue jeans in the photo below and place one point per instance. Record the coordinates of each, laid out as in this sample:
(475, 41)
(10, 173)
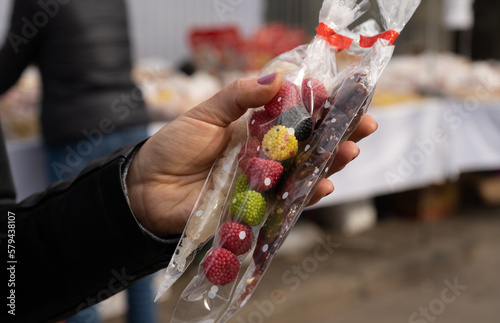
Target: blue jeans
(69, 160)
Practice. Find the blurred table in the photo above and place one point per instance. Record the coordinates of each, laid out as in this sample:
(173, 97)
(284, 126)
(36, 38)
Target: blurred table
(417, 144)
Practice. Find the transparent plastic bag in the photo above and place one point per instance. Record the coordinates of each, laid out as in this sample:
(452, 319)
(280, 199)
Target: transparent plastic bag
(206, 213)
(279, 154)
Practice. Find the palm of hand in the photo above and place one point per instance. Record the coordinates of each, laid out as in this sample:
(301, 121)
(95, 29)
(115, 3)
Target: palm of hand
(180, 155)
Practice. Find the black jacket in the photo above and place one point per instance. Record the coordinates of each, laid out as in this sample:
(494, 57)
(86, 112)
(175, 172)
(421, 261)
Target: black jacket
(74, 244)
(82, 49)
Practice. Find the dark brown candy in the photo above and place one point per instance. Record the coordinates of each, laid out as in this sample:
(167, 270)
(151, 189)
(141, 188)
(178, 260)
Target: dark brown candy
(352, 94)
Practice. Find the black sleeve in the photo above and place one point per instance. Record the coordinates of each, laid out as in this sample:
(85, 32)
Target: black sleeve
(7, 191)
(76, 244)
(21, 42)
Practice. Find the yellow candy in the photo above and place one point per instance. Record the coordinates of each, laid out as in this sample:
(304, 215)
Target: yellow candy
(280, 143)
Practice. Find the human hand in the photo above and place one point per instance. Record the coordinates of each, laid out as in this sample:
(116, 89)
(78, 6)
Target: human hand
(168, 172)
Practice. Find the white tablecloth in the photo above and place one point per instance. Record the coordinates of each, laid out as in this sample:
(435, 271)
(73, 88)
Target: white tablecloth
(417, 144)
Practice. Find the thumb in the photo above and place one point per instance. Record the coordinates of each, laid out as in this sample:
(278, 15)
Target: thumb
(234, 100)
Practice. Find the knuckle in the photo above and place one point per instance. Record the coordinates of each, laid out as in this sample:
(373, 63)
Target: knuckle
(238, 84)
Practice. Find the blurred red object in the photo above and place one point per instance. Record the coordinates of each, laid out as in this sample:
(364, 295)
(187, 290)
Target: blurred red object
(215, 49)
(219, 38)
(271, 41)
(277, 39)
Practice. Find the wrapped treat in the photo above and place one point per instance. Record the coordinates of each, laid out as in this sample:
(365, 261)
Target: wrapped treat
(205, 216)
(288, 148)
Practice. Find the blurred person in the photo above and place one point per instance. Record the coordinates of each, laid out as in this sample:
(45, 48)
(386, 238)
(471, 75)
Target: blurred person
(90, 106)
(89, 237)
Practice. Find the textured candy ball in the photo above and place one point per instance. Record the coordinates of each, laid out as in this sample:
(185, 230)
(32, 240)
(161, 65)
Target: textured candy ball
(286, 98)
(263, 174)
(280, 143)
(299, 119)
(260, 122)
(236, 237)
(248, 207)
(250, 149)
(313, 94)
(221, 266)
(241, 185)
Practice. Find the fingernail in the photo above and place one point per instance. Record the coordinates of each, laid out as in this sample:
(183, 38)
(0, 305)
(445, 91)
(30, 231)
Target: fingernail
(268, 79)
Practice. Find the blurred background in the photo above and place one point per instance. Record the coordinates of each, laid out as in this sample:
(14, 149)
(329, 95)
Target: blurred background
(415, 218)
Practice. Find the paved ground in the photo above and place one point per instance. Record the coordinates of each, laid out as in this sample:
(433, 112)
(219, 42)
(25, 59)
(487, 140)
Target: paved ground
(398, 271)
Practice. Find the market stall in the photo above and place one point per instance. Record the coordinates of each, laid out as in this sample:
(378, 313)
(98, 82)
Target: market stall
(417, 144)
(433, 124)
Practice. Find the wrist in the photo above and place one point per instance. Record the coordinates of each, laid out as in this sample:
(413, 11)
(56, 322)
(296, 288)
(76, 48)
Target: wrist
(135, 191)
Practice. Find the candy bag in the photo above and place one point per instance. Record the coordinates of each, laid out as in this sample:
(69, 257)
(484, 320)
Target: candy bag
(279, 154)
(206, 213)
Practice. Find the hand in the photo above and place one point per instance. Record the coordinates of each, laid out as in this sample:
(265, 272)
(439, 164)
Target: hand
(168, 172)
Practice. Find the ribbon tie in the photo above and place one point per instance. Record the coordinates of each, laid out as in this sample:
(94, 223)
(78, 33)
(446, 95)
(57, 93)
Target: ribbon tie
(390, 35)
(336, 40)
(344, 42)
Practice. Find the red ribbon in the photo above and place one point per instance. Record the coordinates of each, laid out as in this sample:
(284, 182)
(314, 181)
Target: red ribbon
(344, 42)
(336, 40)
(390, 35)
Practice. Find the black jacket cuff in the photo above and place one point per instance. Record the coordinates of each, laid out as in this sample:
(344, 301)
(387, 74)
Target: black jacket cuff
(78, 243)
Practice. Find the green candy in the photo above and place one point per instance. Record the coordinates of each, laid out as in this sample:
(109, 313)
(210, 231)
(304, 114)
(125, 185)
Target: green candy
(241, 184)
(248, 207)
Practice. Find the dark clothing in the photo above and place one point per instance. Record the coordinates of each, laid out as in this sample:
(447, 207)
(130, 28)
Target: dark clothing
(7, 191)
(83, 51)
(76, 244)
